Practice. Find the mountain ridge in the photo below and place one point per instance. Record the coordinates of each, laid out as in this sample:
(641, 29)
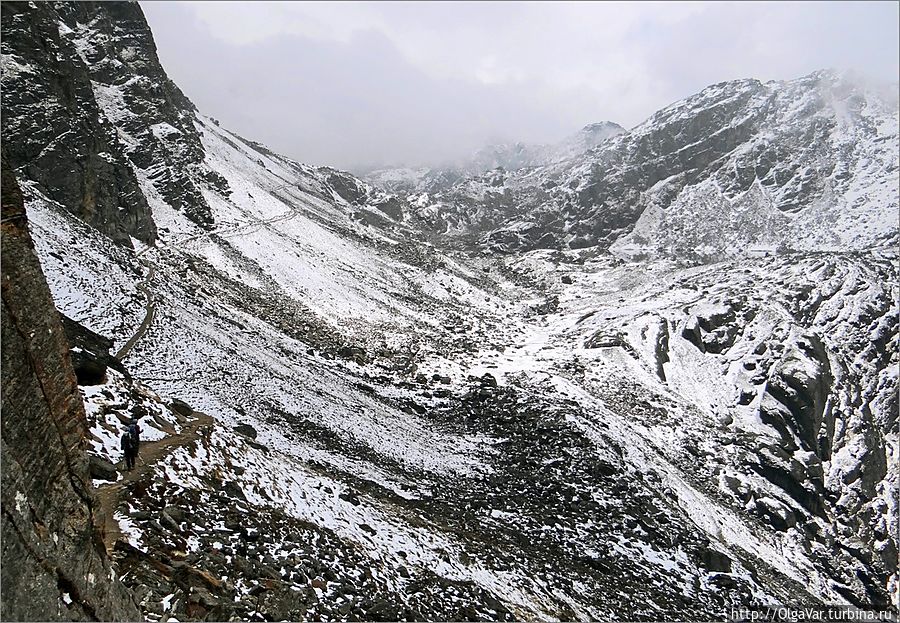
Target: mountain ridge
(817, 145)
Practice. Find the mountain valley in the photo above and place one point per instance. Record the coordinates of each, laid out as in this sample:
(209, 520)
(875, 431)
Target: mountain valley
(650, 374)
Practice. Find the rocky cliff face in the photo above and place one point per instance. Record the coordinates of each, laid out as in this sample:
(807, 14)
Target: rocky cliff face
(90, 116)
(812, 405)
(54, 565)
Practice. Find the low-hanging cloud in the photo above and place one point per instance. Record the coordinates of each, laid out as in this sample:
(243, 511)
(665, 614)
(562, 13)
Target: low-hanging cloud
(366, 84)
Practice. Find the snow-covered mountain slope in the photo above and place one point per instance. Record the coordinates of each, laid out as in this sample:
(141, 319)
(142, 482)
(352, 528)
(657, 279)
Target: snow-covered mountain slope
(388, 425)
(635, 431)
(805, 164)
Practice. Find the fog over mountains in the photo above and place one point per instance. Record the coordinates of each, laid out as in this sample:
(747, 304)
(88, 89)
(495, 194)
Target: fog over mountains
(644, 374)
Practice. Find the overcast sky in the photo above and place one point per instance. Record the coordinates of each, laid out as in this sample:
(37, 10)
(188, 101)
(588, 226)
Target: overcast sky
(357, 84)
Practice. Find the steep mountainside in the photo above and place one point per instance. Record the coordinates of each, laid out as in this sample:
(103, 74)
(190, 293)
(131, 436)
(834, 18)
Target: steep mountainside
(51, 567)
(806, 164)
(91, 114)
(347, 414)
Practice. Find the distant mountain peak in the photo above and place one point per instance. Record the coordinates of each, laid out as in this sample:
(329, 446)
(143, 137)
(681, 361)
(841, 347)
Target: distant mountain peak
(602, 126)
(592, 135)
(505, 155)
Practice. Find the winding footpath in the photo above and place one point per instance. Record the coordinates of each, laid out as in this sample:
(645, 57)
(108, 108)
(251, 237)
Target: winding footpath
(149, 312)
(293, 204)
(225, 232)
(109, 496)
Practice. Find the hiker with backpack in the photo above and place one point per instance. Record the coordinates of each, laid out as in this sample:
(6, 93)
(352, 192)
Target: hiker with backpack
(131, 441)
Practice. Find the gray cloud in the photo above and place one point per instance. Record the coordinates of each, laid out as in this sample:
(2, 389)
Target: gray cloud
(357, 84)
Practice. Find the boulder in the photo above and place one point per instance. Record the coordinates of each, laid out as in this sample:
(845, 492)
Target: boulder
(488, 380)
(176, 513)
(714, 560)
(348, 496)
(367, 528)
(356, 354)
(258, 446)
(167, 522)
(246, 430)
(90, 353)
(181, 407)
(721, 339)
(603, 469)
(233, 489)
(101, 469)
(723, 580)
(416, 408)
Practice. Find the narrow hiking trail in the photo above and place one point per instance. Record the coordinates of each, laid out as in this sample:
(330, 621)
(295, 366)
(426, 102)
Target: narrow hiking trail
(227, 230)
(150, 312)
(109, 496)
(232, 229)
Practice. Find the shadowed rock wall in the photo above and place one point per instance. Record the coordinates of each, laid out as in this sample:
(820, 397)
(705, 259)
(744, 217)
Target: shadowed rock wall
(54, 565)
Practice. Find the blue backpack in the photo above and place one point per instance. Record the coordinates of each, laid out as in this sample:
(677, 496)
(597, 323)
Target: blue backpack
(133, 432)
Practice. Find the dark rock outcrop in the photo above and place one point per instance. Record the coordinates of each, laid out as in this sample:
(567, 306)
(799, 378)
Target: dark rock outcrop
(392, 206)
(101, 469)
(181, 407)
(778, 143)
(346, 187)
(661, 349)
(796, 396)
(356, 354)
(714, 328)
(55, 130)
(54, 565)
(90, 353)
(246, 430)
(87, 107)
